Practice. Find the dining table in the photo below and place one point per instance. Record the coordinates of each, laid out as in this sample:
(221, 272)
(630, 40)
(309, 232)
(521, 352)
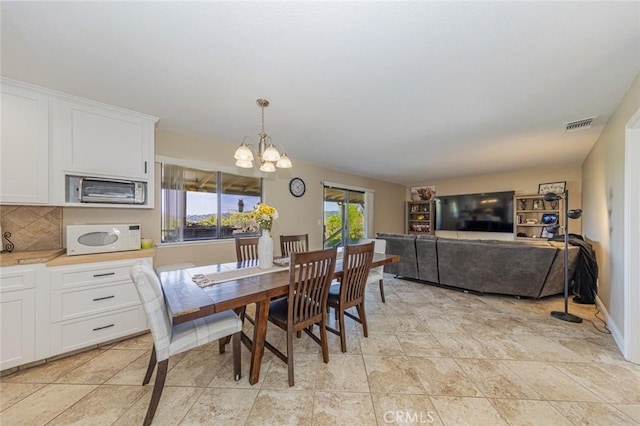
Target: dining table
(198, 292)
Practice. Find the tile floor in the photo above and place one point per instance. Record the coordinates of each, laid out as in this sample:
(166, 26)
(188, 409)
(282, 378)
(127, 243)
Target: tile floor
(433, 356)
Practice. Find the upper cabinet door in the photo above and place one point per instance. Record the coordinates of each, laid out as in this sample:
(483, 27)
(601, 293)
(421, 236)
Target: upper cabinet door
(95, 140)
(24, 145)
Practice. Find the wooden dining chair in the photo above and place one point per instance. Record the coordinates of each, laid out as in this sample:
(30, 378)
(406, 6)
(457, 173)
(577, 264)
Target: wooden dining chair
(349, 292)
(310, 275)
(246, 249)
(293, 244)
(169, 339)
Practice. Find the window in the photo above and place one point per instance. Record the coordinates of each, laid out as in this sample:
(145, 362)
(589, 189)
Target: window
(205, 205)
(344, 216)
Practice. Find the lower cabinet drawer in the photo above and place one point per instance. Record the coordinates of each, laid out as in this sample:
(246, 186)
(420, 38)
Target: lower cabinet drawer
(76, 334)
(92, 300)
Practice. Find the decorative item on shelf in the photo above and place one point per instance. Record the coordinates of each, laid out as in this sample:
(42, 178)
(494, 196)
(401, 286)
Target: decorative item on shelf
(265, 215)
(552, 229)
(523, 204)
(267, 153)
(531, 221)
(420, 217)
(538, 204)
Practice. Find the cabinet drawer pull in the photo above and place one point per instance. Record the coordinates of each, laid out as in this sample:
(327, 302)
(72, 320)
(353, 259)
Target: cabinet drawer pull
(102, 328)
(103, 298)
(103, 275)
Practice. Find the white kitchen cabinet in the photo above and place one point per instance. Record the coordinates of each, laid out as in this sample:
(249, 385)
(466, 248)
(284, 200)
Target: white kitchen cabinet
(22, 311)
(97, 140)
(93, 303)
(24, 144)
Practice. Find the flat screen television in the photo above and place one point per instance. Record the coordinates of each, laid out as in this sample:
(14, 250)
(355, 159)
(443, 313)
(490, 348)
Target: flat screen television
(486, 212)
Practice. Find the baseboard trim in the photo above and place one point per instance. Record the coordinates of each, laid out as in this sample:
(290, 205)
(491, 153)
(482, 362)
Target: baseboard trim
(611, 325)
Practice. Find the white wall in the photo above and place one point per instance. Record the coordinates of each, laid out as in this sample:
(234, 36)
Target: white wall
(603, 201)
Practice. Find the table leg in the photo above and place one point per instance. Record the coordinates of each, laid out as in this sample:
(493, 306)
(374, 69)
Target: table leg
(259, 336)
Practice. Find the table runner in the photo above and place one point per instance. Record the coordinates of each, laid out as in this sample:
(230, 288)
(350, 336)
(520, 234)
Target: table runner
(233, 274)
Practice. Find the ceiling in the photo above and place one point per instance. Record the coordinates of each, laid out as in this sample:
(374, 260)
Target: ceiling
(406, 92)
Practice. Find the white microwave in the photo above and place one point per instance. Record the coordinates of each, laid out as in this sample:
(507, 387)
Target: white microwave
(88, 239)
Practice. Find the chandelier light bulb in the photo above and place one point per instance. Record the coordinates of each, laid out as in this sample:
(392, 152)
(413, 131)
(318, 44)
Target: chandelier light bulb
(267, 167)
(245, 164)
(284, 162)
(270, 154)
(243, 153)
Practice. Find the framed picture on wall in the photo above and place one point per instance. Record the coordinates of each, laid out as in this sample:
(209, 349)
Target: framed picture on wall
(553, 187)
(423, 193)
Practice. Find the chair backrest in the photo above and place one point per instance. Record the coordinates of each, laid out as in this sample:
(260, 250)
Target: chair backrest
(380, 246)
(293, 244)
(310, 275)
(246, 249)
(355, 267)
(150, 292)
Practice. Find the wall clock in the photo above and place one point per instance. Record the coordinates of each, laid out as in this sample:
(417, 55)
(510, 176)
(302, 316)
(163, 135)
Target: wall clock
(297, 187)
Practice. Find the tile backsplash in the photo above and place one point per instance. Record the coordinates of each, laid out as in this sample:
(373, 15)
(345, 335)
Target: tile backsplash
(32, 227)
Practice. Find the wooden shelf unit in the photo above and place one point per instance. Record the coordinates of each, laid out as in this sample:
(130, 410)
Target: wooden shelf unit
(420, 217)
(529, 211)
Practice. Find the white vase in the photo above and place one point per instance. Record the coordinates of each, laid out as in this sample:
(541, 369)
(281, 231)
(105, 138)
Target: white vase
(265, 250)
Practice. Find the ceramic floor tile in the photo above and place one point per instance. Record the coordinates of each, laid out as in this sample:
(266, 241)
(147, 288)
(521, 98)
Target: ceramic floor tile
(611, 382)
(343, 408)
(550, 382)
(144, 341)
(343, 373)
(544, 348)
(103, 406)
(10, 393)
(224, 377)
(421, 344)
(174, 404)
(380, 344)
(221, 406)
(103, 367)
(392, 374)
(133, 374)
(460, 345)
(443, 376)
(496, 380)
(45, 404)
(197, 368)
(589, 413)
(404, 409)
(282, 407)
(529, 413)
(592, 349)
(52, 371)
(631, 410)
(305, 367)
(462, 411)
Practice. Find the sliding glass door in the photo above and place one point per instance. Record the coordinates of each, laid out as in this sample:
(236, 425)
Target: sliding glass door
(344, 217)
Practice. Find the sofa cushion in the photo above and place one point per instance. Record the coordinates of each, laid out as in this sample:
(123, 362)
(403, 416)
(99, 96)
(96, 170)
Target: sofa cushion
(508, 268)
(404, 246)
(427, 257)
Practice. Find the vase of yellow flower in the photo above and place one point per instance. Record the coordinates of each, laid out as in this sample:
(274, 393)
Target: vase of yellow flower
(265, 215)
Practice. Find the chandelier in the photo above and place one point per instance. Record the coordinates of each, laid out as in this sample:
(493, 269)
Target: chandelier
(267, 153)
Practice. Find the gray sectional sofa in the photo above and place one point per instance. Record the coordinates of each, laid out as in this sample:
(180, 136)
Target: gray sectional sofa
(520, 268)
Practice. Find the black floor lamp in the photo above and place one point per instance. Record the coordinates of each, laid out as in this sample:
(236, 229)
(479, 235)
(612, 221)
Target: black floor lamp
(568, 214)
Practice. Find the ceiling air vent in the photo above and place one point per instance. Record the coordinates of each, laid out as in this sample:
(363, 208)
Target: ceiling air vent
(579, 125)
